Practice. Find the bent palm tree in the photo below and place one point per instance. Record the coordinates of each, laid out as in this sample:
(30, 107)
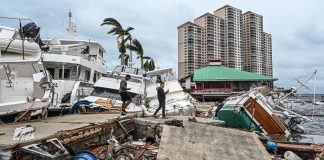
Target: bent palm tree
(136, 46)
(123, 35)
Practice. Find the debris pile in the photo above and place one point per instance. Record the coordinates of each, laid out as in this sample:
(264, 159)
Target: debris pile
(204, 109)
(127, 149)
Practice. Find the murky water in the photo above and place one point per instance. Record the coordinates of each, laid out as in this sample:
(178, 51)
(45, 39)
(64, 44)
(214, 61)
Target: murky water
(316, 125)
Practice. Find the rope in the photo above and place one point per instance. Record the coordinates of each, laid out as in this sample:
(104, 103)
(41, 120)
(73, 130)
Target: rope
(5, 51)
(24, 112)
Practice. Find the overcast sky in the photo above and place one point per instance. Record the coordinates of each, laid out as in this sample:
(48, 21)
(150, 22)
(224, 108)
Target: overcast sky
(297, 28)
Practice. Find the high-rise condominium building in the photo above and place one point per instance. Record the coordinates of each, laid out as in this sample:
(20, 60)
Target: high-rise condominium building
(233, 37)
(252, 42)
(228, 35)
(213, 36)
(190, 47)
(267, 54)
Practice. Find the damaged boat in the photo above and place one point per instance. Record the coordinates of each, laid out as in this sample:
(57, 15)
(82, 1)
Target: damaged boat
(255, 112)
(25, 85)
(143, 92)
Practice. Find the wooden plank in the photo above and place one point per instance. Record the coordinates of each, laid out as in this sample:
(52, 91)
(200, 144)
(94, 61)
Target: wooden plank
(304, 148)
(198, 141)
(270, 123)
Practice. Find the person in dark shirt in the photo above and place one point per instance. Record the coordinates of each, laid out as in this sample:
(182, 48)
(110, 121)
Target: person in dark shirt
(123, 91)
(161, 97)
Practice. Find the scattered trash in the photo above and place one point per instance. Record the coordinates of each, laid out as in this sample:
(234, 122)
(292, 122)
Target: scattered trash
(291, 155)
(174, 122)
(85, 155)
(51, 148)
(271, 146)
(320, 156)
(24, 133)
(124, 151)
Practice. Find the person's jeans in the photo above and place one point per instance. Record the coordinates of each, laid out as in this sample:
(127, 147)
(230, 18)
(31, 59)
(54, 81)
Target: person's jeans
(161, 106)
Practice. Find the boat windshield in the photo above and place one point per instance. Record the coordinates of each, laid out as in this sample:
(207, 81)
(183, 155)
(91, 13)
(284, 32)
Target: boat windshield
(128, 70)
(108, 93)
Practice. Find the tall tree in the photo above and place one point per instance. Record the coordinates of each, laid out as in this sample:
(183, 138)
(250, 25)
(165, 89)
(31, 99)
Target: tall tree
(136, 46)
(123, 35)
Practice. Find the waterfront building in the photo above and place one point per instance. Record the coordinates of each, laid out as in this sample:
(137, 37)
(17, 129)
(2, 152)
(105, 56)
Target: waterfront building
(233, 37)
(252, 37)
(212, 37)
(191, 51)
(267, 54)
(216, 81)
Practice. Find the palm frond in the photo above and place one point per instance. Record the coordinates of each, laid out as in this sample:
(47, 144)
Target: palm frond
(113, 30)
(129, 29)
(128, 37)
(138, 45)
(111, 21)
(147, 57)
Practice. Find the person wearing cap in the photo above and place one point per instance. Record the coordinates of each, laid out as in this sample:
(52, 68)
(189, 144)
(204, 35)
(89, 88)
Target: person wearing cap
(123, 91)
(161, 97)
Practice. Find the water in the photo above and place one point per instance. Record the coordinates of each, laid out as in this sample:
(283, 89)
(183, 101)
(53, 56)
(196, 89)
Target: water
(316, 125)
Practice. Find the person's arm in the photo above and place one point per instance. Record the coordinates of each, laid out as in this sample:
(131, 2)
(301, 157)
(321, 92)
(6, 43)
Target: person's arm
(166, 92)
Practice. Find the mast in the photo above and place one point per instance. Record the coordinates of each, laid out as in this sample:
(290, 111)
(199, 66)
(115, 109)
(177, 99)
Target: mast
(72, 27)
(314, 101)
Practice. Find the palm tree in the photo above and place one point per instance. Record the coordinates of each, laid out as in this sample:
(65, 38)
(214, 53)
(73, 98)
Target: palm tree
(136, 46)
(149, 65)
(123, 35)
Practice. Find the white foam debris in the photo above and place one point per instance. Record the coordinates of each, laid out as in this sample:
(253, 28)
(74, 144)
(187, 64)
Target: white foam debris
(24, 133)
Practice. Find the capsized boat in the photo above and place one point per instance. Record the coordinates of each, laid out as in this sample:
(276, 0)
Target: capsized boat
(251, 111)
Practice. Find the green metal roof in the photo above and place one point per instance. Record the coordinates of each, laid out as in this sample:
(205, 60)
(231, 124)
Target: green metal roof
(221, 73)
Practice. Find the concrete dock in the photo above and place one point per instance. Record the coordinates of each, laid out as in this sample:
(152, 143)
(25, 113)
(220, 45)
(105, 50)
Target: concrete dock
(199, 139)
(205, 142)
(48, 128)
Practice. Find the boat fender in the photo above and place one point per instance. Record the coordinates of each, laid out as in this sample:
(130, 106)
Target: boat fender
(85, 155)
(272, 146)
(286, 114)
(66, 98)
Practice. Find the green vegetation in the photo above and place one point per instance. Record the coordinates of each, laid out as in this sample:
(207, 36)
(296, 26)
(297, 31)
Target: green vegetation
(123, 35)
(125, 41)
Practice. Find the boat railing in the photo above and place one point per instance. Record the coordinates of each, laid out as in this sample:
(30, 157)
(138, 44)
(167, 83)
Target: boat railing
(94, 59)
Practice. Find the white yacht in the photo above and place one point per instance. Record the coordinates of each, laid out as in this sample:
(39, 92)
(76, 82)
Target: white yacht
(23, 77)
(74, 65)
(107, 88)
(47, 70)
(143, 91)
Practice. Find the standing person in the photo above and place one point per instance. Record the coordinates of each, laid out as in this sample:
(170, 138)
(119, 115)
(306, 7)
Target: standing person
(123, 91)
(161, 97)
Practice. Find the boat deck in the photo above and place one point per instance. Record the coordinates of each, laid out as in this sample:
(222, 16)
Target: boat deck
(50, 126)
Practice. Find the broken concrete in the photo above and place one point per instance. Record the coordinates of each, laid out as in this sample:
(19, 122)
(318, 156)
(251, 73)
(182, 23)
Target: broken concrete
(198, 141)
